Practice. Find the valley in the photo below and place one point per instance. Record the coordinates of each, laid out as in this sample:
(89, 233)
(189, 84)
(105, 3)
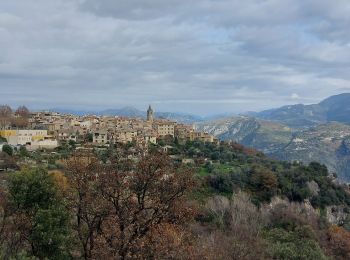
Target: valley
(303, 133)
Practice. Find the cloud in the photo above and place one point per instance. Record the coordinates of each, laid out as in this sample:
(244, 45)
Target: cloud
(295, 96)
(200, 56)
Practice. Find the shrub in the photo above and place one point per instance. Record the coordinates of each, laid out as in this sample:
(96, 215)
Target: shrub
(7, 149)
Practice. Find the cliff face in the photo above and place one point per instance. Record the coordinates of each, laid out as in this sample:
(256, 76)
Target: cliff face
(336, 214)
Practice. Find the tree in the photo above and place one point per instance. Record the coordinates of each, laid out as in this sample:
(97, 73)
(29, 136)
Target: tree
(7, 161)
(89, 137)
(263, 182)
(293, 244)
(5, 115)
(5, 111)
(144, 200)
(72, 143)
(21, 117)
(39, 214)
(83, 171)
(338, 242)
(121, 209)
(19, 122)
(23, 151)
(7, 149)
(239, 225)
(22, 111)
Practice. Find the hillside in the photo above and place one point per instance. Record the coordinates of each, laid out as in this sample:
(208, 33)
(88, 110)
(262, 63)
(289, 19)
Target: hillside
(318, 132)
(226, 202)
(334, 108)
(326, 143)
(266, 136)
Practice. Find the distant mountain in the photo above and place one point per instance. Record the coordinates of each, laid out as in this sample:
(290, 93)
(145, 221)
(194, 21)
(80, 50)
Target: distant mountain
(125, 111)
(337, 108)
(134, 112)
(334, 108)
(179, 117)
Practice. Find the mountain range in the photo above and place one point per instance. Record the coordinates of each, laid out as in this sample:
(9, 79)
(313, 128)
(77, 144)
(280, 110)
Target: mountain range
(335, 108)
(305, 133)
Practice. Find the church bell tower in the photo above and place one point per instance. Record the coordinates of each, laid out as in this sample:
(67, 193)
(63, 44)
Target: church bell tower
(150, 117)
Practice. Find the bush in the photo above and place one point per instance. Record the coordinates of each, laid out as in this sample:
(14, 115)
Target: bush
(34, 198)
(293, 245)
(220, 183)
(7, 149)
(23, 151)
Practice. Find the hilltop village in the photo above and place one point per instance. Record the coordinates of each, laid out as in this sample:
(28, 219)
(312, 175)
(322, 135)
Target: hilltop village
(49, 130)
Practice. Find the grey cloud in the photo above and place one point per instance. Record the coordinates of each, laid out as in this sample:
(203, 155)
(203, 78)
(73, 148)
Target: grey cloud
(221, 56)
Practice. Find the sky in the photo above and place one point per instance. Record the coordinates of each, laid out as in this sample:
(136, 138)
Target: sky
(203, 56)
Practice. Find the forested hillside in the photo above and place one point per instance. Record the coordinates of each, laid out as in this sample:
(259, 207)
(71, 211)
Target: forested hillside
(196, 200)
(325, 143)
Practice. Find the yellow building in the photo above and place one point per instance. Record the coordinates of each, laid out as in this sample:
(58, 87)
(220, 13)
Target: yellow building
(7, 133)
(182, 131)
(165, 128)
(199, 136)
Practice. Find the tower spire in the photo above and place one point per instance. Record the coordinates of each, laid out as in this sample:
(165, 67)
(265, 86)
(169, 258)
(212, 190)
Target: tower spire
(150, 117)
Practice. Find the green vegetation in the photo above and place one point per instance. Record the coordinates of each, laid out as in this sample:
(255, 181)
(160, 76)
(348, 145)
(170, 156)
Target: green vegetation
(294, 245)
(228, 168)
(23, 151)
(33, 196)
(7, 149)
(121, 203)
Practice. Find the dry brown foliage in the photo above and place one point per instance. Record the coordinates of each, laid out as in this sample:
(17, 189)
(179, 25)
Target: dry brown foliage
(238, 236)
(122, 212)
(338, 242)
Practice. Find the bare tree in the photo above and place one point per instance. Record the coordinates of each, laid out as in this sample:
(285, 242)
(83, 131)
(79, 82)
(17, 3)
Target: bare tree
(143, 201)
(123, 209)
(85, 201)
(22, 111)
(238, 236)
(5, 116)
(21, 117)
(5, 111)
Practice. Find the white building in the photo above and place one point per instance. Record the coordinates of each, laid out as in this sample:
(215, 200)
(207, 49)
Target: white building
(33, 139)
(24, 137)
(43, 144)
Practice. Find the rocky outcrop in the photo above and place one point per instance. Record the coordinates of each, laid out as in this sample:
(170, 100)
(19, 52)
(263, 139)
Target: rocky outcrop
(313, 188)
(336, 214)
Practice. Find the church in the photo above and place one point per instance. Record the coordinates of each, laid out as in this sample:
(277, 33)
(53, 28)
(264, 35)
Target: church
(150, 116)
